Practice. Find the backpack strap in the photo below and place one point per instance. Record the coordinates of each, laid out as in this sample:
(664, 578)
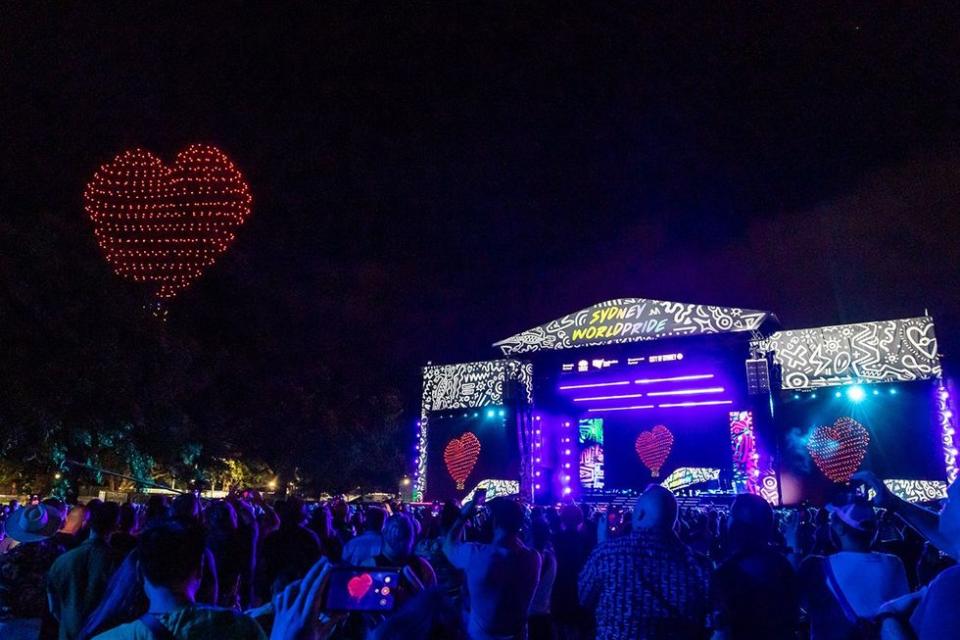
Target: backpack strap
(834, 585)
(157, 630)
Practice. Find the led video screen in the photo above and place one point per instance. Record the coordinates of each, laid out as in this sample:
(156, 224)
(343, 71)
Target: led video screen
(644, 413)
(890, 429)
(647, 447)
(590, 439)
(468, 447)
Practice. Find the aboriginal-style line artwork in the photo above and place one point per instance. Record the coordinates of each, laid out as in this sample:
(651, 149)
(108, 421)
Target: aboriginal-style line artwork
(465, 385)
(948, 431)
(917, 490)
(886, 351)
(632, 320)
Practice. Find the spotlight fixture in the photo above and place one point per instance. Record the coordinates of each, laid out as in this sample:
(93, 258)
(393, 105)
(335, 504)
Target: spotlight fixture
(856, 393)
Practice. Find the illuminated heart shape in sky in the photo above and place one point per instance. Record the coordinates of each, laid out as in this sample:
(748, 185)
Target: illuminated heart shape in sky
(653, 447)
(460, 455)
(358, 586)
(838, 449)
(164, 225)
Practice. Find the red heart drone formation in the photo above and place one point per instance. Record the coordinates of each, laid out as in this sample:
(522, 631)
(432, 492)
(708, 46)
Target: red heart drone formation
(838, 449)
(460, 455)
(163, 225)
(653, 447)
(358, 586)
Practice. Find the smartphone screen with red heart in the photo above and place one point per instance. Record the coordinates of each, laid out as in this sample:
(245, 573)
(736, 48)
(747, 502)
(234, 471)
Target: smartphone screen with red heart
(362, 589)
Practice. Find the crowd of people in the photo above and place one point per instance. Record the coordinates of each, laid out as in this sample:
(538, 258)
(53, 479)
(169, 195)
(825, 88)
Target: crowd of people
(241, 568)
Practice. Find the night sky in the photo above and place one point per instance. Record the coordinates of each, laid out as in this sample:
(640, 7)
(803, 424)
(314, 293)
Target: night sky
(430, 179)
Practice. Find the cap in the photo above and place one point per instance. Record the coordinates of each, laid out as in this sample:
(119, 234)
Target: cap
(859, 515)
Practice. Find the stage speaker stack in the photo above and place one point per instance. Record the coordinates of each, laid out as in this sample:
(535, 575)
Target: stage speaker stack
(758, 376)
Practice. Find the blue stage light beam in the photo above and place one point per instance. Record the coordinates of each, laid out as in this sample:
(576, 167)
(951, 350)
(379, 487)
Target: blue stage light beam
(856, 393)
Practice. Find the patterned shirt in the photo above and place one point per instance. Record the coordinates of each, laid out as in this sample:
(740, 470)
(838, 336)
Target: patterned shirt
(645, 586)
(23, 579)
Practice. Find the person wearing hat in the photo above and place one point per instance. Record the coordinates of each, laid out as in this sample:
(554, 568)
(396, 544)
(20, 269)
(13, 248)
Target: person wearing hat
(843, 592)
(932, 612)
(23, 569)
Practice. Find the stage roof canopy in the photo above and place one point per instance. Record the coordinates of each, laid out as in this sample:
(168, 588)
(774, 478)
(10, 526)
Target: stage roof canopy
(633, 320)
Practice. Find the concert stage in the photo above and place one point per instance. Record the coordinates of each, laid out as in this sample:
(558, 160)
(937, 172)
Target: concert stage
(709, 401)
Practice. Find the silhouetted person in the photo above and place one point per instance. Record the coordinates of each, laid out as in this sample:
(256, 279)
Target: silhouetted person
(397, 550)
(848, 587)
(368, 544)
(755, 592)
(501, 576)
(647, 584)
(171, 562)
(123, 539)
(290, 550)
(78, 579)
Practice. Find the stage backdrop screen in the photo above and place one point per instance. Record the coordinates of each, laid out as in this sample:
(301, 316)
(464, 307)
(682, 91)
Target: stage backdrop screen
(467, 447)
(890, 429)
(590, 439)
(647, 411)
(647, 447)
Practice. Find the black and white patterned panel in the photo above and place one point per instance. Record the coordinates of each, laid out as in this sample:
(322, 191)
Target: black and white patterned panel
(523, 372)
(465, 385)
(886, 351)
(472, 384)
(631, 320)
(918, 490)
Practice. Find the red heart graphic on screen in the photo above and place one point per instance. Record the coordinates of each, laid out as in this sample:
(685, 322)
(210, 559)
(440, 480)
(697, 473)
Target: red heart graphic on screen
(358, 586)
(838, 449)
(460, 455)
(653, 447)
(164, 225)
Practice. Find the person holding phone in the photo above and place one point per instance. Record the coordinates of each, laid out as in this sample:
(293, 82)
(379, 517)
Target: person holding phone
(397, 551)
(932, 612)
(501, 576)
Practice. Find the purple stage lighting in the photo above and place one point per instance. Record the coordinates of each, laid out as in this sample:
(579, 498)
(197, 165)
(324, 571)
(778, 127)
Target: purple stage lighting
(592, 385)
(627, 395)
(701, 403)
(697, 376)
(687, 392)
(638, 406)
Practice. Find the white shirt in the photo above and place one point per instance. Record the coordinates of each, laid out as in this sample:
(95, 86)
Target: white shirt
(869, 579)
(501, 583)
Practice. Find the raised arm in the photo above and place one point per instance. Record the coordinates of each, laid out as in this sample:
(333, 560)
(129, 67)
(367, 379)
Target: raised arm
(452, 544)
(926, 522)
